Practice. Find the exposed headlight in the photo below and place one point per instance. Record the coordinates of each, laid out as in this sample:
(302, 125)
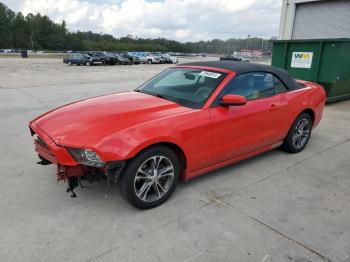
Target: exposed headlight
(86, 157)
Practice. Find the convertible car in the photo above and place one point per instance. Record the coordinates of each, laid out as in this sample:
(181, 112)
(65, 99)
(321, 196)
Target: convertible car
(186, 121)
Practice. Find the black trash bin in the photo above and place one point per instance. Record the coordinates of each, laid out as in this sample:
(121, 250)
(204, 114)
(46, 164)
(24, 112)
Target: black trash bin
(24, 54)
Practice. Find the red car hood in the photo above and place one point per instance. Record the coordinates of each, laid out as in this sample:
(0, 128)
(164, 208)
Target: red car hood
(88, 120)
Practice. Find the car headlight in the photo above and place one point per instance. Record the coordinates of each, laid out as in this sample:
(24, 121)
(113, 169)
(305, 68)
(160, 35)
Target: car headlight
(86, 157)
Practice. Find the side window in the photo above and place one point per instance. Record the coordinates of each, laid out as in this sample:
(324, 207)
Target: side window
(279, 86)
(252, 85)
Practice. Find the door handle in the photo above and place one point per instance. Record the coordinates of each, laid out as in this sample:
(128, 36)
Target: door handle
(273, 107)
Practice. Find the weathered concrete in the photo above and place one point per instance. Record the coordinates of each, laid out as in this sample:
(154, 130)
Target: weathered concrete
(274, 207)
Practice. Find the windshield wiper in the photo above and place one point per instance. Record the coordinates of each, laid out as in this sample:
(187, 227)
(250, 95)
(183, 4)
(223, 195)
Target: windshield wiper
(167, 98)
(158, 95)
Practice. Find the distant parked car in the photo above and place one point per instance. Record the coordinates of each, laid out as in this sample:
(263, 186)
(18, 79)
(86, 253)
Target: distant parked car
(81, 59)
(7, 51)
(170, 59)
(153, 58)
(162, 60)
(244, 59)
(132, 58)
(234, 58)
(105, 57)
(121, 60)
(141, 56)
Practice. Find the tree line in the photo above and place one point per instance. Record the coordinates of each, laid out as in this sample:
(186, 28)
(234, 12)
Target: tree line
(39, 32)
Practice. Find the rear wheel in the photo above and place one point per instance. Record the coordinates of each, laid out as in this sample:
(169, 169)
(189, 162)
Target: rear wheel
(149, 61)
(151, 177)
(69, 63)
(299, 134)
(88, 63)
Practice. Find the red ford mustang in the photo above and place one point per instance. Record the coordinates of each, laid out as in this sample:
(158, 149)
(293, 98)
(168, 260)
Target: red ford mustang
(186, 121)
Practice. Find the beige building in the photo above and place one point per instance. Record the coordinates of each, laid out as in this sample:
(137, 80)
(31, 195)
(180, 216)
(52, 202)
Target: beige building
(314, 19)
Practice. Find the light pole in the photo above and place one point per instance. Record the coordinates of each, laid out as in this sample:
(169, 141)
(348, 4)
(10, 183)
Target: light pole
(247, 40)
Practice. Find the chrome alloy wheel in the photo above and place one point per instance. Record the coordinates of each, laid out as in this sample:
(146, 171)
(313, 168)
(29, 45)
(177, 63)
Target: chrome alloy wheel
(301, 133)
(154, 178)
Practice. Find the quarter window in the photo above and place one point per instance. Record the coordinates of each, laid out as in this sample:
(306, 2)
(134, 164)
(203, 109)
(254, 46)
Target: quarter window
(279, 86)
(255, 85)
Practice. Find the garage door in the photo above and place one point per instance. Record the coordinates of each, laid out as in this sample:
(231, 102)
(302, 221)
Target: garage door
(324, 19)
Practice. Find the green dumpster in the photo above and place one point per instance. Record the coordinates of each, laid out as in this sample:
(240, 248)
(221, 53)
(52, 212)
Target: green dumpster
(325, 61)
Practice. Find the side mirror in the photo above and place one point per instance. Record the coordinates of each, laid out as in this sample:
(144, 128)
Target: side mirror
(233, 100)
(190, 76)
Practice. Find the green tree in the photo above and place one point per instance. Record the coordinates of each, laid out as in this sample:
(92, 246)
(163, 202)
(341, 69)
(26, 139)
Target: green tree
(20, 32)
(6, 20)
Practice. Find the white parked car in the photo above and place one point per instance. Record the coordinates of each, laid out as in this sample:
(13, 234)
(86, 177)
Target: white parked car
(153, 59)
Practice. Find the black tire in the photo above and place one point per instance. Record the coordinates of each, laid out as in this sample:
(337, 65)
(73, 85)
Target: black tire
(149, 61)
(297, 137)
(69, 63)
(129, 184)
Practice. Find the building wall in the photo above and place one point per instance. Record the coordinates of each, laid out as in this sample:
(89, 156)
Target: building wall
(314, 19)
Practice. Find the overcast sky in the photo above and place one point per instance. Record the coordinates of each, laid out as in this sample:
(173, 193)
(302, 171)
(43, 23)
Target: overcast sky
(182, 20)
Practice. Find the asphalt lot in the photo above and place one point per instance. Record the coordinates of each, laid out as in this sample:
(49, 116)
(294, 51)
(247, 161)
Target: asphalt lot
(274, 207)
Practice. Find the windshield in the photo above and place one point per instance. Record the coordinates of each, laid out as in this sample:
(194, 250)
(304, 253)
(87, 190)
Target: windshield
(186, 86)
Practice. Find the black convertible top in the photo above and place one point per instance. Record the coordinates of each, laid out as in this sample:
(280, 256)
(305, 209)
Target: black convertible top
(247, 67)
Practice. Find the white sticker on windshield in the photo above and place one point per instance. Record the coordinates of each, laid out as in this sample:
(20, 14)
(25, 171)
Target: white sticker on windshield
(209, 74)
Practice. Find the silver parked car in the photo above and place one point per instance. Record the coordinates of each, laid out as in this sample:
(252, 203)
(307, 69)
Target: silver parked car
(153, 59)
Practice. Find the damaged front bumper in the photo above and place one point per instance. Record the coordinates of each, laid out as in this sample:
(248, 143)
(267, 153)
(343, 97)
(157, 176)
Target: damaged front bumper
(68, 169)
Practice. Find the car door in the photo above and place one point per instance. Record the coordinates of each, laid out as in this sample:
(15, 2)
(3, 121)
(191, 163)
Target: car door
(238, 130)
(76, 59)
(80, 59)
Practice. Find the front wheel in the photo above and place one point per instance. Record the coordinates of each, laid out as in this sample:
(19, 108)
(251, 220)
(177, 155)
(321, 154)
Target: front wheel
(151, 177)
(149, 61)
(299, 134)
(88, 63)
